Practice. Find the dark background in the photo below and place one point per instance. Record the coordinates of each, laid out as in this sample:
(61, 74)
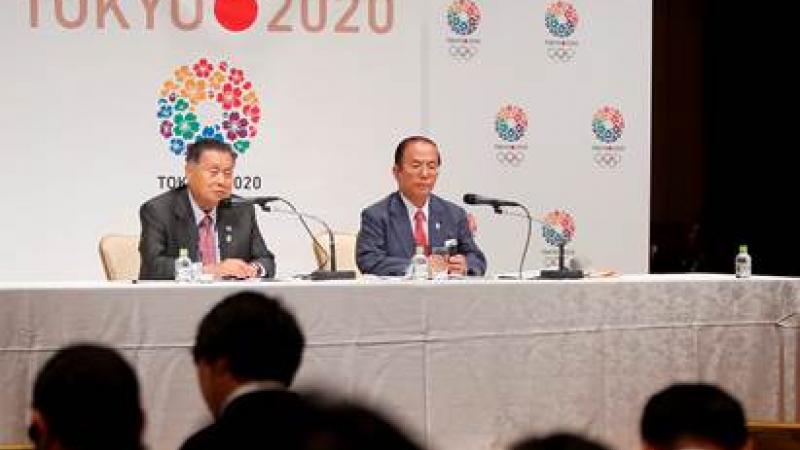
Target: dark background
(724, 136)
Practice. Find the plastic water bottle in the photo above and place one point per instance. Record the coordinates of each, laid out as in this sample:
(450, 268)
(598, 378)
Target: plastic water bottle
(744, 263)
(419, 264)
(183, 266)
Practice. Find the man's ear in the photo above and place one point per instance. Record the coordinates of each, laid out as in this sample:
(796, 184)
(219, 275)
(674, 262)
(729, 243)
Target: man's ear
(37, 430)
(220, 366)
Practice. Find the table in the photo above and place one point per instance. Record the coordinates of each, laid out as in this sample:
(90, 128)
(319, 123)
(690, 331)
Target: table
(462, 364)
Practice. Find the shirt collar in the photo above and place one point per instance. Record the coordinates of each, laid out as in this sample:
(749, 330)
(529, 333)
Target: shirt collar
(250, 387)
(199, 214)
(413, 209)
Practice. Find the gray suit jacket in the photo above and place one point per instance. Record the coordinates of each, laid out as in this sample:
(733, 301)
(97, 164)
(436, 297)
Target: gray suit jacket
(168, 224)
(386, 243)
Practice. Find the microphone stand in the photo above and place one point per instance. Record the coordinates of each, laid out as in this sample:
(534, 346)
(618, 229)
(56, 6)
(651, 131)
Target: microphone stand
(562, 272)
(499, 210)
(318, 274)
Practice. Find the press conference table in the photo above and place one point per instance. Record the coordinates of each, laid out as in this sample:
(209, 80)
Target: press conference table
(463, 364)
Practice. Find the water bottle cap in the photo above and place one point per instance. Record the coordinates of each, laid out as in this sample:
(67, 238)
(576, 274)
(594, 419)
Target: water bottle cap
(183, 252)
(420, 250)
(743, 248)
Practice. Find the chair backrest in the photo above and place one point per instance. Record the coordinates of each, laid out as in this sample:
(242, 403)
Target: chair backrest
(120, 256)
(345, 251)
(774, 435)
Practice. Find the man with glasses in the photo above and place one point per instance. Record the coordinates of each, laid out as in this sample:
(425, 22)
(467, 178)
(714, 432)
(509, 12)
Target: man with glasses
(413, 216)
(226, 240)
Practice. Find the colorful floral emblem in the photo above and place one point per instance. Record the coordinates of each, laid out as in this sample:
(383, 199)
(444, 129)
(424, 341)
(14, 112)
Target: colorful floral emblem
(559, 228)
(463, 16)
(201, 82)
(561, 19)
(607, 124)
(511, 123)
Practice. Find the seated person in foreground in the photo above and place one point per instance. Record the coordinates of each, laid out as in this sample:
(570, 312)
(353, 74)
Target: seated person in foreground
(694, 416)
(247, 351)
(86, 397)
(226, 240)
(558, 441)
(392, 228)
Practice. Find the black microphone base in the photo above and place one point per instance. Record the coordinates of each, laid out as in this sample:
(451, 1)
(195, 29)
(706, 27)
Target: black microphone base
(560, 274)
(335, 275)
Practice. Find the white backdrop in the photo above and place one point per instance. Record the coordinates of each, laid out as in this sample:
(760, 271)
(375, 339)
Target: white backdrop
(83, 150)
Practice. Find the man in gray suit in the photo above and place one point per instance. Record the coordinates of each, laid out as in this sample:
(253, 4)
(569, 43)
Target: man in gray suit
(226, 240)
(392, 228)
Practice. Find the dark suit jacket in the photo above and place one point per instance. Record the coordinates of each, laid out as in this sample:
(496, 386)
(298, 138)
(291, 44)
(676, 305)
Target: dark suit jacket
(168, 224)
(385, 242)
(261, 419)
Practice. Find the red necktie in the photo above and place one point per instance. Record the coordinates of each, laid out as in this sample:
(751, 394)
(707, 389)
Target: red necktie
(420, 236)
(208, 251)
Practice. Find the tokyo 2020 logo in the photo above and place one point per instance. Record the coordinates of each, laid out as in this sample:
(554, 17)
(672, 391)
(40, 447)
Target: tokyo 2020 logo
(559, 228)
(208, 100)
(511, 122)
(561, 19)
(463, 16)
(607, 124)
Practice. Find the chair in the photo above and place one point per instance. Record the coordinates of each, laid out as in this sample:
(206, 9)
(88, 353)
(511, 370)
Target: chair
(120, 256)
(774, 435)
(345, 251)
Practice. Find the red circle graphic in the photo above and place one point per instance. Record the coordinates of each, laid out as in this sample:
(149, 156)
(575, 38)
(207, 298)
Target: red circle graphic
(236, 15)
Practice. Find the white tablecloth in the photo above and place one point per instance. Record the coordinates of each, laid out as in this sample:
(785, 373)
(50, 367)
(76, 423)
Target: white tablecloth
(467, 364)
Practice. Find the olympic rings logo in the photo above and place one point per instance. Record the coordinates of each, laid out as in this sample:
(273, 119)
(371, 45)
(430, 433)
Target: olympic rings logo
(607, 160)
(463, 52)
(511, 157)
(560, 54)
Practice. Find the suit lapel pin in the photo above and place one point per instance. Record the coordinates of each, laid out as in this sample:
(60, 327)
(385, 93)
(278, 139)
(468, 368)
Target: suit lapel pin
(437, 225)
(228, 237)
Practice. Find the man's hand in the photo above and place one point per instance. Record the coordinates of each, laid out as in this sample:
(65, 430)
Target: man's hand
(457, 264)
(472, 223)
(231, 267)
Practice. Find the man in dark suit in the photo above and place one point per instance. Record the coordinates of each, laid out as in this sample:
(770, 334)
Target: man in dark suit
(392, 228)
(226, 240)
(247, 350)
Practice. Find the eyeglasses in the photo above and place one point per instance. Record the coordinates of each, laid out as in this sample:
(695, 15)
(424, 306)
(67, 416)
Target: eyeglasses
(432, 168)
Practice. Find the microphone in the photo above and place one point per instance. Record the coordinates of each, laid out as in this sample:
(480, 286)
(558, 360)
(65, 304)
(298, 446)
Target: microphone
(496, 204)
(475, 199)
(318, 274)
(246, 201)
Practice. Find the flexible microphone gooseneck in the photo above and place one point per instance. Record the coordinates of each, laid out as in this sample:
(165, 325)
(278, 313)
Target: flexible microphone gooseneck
(562, 272)
(330, 255)
(497, 204)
